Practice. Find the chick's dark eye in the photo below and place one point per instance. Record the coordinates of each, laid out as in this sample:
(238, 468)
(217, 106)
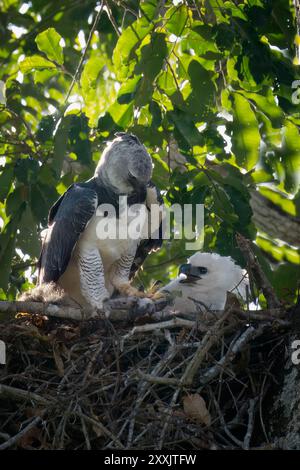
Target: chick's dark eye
(202, 270)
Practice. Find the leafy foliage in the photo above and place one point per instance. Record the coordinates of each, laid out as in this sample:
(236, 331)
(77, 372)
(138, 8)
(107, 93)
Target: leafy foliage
(207, 86)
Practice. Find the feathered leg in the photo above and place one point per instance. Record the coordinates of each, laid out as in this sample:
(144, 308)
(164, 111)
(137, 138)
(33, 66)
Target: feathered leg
(119, 277)
(92, 277)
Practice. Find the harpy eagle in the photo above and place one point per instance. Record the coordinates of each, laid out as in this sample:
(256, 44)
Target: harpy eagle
(87, 267)
(203, 282)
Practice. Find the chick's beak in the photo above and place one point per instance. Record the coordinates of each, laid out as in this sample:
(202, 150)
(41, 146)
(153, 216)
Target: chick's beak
(190, 274)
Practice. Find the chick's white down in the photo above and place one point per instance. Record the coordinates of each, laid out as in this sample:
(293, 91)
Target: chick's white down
(209, 291)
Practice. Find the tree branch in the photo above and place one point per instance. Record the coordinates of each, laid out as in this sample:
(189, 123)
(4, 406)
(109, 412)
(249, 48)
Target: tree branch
(118, 309)
(259, 276)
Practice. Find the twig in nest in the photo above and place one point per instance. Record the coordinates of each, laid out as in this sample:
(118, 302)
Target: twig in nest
(259, 276)
(158, 380)
(101, 427)
(250, 426)
(144, 389)
(22, 395)
(209, 339)
(166, 424)
(84, 430)
(277, 316)
(174, 323)
(238, 344)
(223, 422)
(14, 439)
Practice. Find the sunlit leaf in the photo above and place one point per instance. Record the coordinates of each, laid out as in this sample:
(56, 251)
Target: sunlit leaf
(291, 156)
(124, 51)
(35, 62)
(245, 133)
(177, 17)
(49, 42)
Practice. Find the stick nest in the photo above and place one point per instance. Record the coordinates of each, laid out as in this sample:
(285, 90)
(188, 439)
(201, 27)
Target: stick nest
(172, 384)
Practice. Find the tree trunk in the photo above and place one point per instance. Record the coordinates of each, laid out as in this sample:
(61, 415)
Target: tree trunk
(284, 412)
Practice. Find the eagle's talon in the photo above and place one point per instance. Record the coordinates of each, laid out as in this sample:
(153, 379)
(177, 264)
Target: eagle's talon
(157, 295)
(130, 291)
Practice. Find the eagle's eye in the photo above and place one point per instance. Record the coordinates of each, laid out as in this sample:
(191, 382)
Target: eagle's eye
(202, 270)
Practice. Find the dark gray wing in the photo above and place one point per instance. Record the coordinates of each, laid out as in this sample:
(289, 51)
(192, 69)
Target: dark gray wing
(151, 244)
(67, 220)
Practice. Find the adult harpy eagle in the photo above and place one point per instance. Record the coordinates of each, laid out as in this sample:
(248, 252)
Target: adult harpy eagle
(88, 268)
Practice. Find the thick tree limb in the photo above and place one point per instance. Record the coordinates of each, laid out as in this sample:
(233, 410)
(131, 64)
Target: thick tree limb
(271, 219)
(118, 309)
(41, 308)
(267, 216)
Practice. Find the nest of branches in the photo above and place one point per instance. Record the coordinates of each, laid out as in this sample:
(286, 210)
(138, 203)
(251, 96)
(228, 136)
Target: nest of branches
(172, 383)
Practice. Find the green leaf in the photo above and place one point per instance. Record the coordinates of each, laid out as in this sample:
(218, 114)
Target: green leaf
(177, 17)
(15, 200)
(122, 114)
(286, 204)
(48, 42)
(6, 257)
(60, 144)
(35, 62)
(267, 104)
(43, 76)
(128, 89)
(151, 63)
(45, 128)
(7, 247)
(131, 37)
(271, 136)
(42, 197)
(155, 113)
(291, 157)
(79, 142)
(152, 55)
(98, 92)
(149, 8)
(186, 132)
(201, 100)
(222, 205)
(200, 41)
(91, 73)
(6, 179)
(27, 238)
(245, 133)
(285, 280)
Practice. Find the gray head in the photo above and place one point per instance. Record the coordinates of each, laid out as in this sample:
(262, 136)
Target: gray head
(125, 164)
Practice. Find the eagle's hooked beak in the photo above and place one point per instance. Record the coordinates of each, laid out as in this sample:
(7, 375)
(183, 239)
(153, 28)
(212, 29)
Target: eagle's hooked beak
(191, 273)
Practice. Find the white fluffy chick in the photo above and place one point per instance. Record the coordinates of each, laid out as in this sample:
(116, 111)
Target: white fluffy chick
(203, 282)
